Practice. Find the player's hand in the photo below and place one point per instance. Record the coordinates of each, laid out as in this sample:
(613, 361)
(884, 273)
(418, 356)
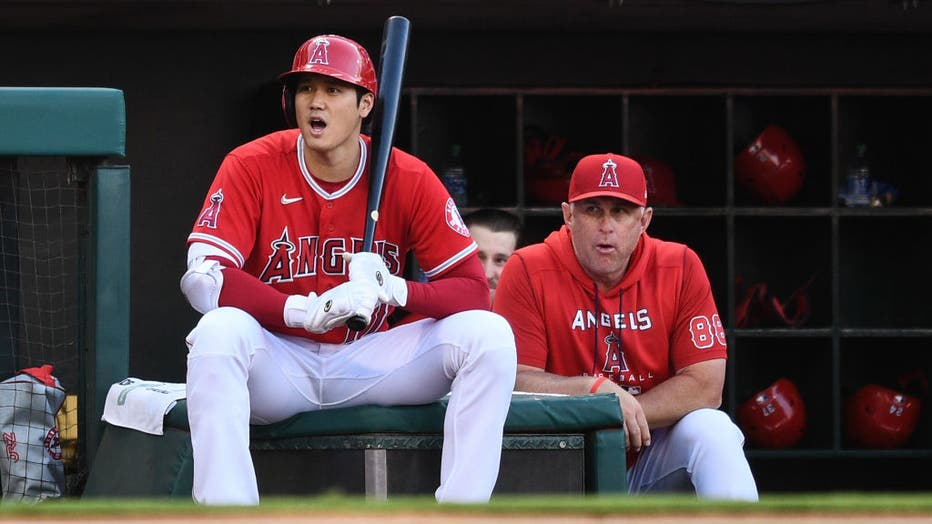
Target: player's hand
(369, 267)
(319, 314)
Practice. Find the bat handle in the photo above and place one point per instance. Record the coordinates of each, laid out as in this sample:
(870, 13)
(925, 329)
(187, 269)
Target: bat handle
(357, 323)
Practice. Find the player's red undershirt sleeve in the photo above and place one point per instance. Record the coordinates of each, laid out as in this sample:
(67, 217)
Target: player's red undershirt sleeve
(462, 288)
(244, 291)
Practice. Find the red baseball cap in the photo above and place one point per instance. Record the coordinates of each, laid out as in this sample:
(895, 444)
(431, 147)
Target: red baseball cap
(611, 175)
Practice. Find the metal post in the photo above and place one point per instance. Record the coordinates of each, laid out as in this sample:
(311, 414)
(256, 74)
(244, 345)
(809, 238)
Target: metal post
(376, 474)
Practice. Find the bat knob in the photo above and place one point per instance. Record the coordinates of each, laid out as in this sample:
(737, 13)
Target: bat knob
(357, 323)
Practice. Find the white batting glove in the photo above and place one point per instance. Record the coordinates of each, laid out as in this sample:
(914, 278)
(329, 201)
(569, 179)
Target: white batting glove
(319, 314)
(369, 267)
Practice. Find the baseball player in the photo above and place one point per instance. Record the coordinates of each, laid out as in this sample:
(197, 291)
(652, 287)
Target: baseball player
(496, 233)
(274, 269)
(601, 307)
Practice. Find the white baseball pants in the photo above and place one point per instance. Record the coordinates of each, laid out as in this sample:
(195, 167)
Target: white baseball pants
(702, 453)
(240, 373)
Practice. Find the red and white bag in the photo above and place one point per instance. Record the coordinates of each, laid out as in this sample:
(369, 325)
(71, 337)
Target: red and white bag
(31, 465)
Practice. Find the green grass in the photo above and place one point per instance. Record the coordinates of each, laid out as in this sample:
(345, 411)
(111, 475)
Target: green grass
(890, 503)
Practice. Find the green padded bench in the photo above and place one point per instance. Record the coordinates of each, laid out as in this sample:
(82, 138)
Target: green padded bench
(552, 444)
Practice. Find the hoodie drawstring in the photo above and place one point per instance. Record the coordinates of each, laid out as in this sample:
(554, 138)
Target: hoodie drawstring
(598, 323)
(621, 293)
(595, 332)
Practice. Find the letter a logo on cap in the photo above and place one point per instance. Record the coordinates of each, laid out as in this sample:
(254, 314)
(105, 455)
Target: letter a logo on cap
(609, 176)
(319, 54)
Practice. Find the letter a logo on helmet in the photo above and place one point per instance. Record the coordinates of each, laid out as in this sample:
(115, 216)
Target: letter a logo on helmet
(609, 176)
(329, 55)
(319, 54)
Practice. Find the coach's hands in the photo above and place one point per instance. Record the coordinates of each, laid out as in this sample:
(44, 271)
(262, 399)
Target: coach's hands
(319, 314)
(369, 267)
(637, 432)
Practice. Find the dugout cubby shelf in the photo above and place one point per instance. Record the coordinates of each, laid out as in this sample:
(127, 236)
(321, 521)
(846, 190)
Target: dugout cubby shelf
(866, 268)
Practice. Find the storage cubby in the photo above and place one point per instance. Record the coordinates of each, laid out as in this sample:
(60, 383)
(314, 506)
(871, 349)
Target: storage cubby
(900, 365)
(806, 120)
(482, 126)
(794, 266)
(765, 360)
(883, 271)
(588, 123)
(689, 135)
(896, 132)
(862, 271)
(558, 130)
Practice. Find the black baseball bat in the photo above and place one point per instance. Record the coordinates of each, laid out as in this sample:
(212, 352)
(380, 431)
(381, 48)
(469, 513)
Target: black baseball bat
(385, 115)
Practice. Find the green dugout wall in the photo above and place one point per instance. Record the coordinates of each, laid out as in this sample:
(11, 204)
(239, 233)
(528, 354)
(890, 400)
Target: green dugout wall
(84, 129)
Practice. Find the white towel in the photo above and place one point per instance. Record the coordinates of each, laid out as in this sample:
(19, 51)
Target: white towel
(141, 404)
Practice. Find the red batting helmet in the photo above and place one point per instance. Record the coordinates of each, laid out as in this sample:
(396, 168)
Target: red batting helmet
(548, 185)
(774, 417)
(547, 166)
(330, 55)
(661, 186)
(771, 168)
(879, 417)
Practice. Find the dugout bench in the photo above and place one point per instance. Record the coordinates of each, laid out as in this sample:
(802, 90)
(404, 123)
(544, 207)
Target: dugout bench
(552, 444)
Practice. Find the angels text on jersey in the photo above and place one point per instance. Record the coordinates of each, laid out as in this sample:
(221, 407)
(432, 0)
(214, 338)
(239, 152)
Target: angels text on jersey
(310, 255)
(704, 333)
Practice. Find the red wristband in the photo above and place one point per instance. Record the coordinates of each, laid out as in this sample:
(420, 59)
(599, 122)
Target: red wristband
(598, 382)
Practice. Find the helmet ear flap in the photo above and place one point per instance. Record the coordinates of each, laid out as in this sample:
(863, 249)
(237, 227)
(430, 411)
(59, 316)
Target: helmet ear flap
(288, 104)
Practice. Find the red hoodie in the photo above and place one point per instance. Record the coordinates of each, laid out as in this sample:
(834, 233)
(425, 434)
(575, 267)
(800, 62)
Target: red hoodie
(661, 316)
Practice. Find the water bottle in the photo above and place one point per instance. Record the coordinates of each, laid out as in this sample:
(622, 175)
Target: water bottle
(859, 180)
(453, 176)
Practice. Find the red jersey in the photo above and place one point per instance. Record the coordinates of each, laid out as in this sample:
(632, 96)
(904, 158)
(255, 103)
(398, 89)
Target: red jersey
(270, 217)
(661, 317)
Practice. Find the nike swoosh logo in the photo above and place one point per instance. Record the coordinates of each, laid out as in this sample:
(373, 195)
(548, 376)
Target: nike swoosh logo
(286, 200)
